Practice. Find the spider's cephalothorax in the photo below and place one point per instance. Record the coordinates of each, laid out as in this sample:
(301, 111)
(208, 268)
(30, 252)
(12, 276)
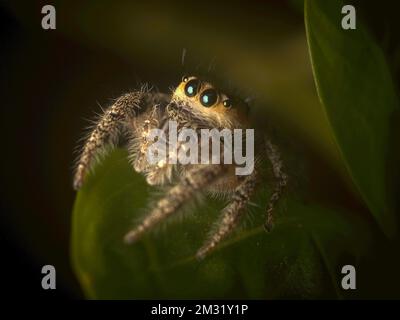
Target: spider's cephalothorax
(197, 105)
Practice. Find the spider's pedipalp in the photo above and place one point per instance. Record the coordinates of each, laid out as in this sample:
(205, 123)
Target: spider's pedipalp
(108, 127)
(231, 214)
(194, 181)
(281, 179)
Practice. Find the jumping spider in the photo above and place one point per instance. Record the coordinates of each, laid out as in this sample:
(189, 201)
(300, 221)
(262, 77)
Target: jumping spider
(193, 104)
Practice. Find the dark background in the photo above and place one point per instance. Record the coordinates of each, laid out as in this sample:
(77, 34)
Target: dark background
(52, 81)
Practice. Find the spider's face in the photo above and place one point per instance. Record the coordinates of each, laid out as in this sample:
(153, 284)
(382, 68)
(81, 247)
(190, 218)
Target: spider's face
(201, 98)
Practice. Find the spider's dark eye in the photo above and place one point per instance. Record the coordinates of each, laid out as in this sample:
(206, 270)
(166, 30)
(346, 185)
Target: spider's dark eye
(185, 79)
(192, 87)
(227, 103)
(209, 97)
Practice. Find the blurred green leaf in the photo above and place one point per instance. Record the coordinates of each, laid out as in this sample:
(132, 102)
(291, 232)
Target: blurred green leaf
(300, 258)
(355, 87)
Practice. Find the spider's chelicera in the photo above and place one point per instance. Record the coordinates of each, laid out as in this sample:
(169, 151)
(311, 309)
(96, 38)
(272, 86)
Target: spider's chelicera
(196, 105)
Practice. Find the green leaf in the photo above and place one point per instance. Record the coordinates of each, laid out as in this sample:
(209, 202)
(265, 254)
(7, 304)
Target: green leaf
(299, 258)
(357, 92)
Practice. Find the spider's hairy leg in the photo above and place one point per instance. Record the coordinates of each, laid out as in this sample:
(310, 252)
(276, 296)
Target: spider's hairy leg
(194, 181)
(231, 214)
(281, 180)
(108, 127)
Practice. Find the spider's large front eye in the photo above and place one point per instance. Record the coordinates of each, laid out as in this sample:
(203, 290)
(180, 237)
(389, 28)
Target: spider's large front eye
(209, 97)
(192, 87)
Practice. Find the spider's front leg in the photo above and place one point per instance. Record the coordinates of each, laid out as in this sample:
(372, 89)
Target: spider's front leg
(106, 131)
(231, 214)
(281, 179)
(195, 180)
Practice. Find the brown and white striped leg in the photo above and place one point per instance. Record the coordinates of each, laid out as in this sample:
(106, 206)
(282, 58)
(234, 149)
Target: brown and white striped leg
(231, 214)
(195, 180)
(281, 179)
(108, 128)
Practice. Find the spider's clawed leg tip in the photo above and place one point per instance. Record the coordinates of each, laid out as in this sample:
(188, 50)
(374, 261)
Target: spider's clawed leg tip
(130, 238)
(200, 255)
(268, 226)
(77, 185)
